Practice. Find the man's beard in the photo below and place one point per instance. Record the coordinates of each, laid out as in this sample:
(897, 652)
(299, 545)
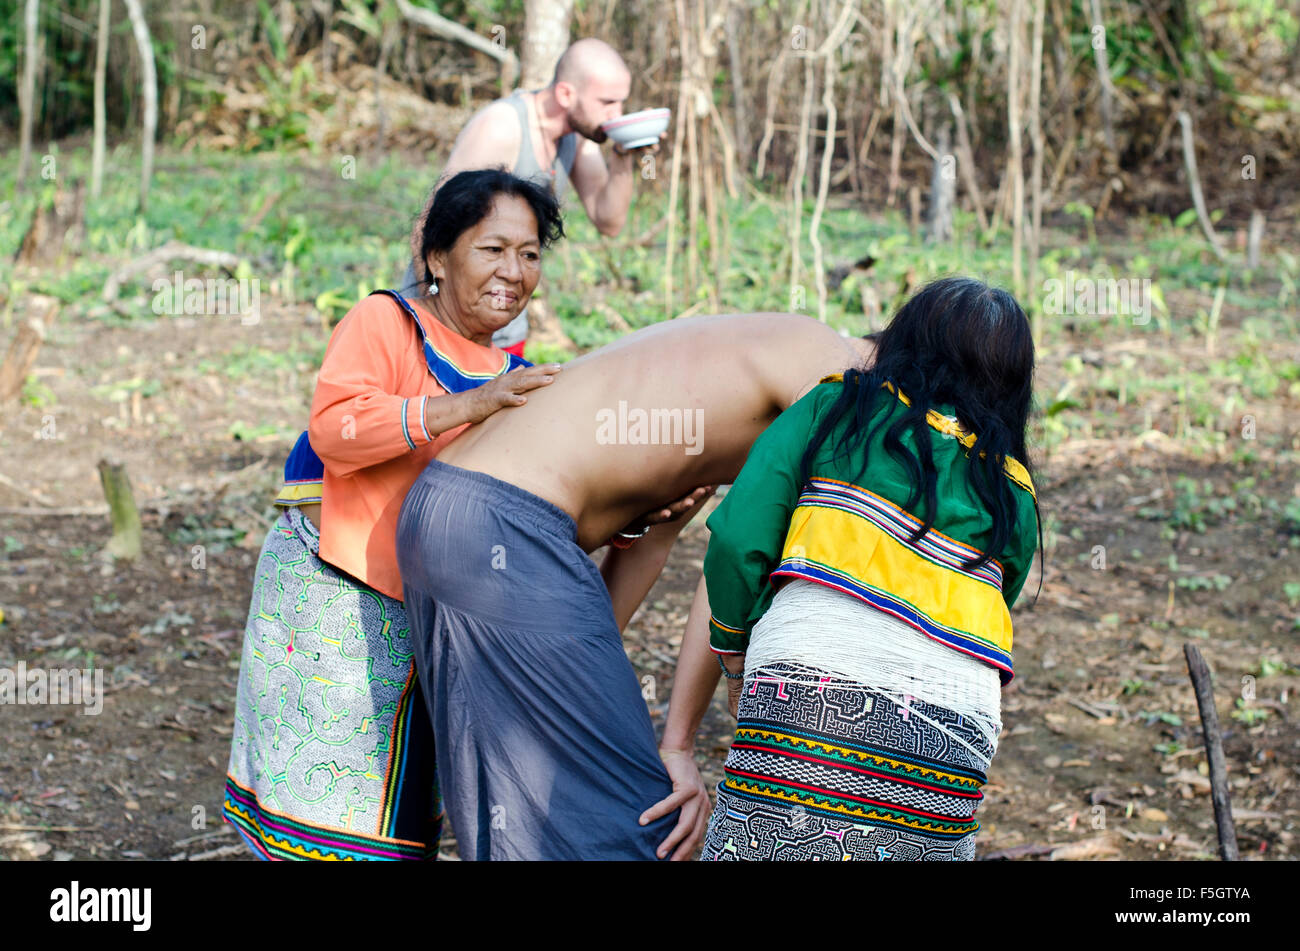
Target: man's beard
(594, 133)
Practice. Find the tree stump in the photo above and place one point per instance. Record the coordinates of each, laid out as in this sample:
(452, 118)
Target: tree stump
(125, 543)
(18, 361)
(54, 228)
(25, 345)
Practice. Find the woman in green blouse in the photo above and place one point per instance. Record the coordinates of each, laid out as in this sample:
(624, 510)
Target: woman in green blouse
(860, 573)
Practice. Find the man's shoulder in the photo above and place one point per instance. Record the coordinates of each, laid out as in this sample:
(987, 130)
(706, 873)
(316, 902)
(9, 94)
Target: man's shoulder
(495, 125)
(497, 108)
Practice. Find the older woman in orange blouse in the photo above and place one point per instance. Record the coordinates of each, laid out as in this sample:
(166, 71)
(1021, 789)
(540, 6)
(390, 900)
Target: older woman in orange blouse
(332, 754)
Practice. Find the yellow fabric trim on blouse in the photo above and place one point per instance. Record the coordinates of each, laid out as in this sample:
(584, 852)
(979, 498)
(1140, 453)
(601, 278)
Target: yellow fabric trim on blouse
(299, 493)
(1015, 471)
(867, 561)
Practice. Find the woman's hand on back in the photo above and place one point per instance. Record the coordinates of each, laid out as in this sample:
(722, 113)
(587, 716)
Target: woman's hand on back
(508, 389)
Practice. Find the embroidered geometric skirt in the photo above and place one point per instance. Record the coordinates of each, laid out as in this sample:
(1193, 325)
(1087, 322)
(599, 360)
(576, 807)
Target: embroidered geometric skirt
(332, 754)
(823, 772)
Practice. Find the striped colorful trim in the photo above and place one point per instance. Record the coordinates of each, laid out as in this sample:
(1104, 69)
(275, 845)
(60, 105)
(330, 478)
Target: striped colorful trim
(406, 429)
(300, 492)
(959, 640)
(451, 376)
(424, 405)
(275, 836)
(718, 628)
(394, 778)
(848, 538)
(918, 771)
(814, 770)
(934, 545)
(757, 788)
(726, 628)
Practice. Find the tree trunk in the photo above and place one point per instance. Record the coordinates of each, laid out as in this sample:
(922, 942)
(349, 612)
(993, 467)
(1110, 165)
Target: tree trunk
(800, 171)
(149, 89)
(828, 52)
(679, 130)
(1015, 165)
(943, 190)
(546, 36)
(1036, 175)
(1103, 74)
(966, 161)
(101, 69)
(739, 92)
(325, 8)
(47, 236)
(27, 91)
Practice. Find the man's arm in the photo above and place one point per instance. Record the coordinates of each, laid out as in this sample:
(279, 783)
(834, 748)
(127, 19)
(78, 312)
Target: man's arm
(605, 189)
(630, 573)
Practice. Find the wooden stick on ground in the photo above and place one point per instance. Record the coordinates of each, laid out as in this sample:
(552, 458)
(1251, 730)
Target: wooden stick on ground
(1201, 682)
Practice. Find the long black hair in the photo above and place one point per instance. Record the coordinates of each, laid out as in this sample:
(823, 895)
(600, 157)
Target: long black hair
(467, 197)
(959, 342)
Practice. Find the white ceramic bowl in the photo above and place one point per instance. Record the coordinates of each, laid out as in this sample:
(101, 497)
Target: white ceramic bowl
(638, 129)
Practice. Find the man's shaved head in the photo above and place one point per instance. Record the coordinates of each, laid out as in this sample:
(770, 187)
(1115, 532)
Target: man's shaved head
(591, 84)
(586, 59)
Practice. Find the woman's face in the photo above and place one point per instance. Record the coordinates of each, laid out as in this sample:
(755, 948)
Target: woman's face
(486, 278)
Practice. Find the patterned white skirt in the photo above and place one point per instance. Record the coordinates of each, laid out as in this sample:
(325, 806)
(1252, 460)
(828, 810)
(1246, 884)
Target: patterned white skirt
(858, 738)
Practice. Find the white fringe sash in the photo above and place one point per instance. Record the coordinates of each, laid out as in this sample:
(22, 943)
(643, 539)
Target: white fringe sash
(833, 637)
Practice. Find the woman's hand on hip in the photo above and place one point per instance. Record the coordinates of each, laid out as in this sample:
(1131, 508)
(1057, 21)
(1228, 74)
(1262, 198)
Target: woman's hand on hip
(508, 389)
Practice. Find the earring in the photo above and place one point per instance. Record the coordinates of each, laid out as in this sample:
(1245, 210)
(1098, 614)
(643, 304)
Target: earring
(433, 286)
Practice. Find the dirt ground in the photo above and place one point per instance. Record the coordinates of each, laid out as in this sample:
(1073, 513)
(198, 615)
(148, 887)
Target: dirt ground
(1101, 754)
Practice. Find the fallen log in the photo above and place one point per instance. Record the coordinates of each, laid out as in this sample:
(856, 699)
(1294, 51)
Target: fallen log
(171, 251)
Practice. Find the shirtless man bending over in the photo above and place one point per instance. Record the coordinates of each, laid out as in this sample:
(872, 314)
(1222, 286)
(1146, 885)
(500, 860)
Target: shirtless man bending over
(545, 746)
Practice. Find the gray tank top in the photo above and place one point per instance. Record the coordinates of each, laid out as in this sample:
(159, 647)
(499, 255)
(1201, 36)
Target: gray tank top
(526, 165)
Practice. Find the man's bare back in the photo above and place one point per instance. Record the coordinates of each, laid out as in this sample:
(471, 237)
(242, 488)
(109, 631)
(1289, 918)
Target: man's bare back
(642, 421)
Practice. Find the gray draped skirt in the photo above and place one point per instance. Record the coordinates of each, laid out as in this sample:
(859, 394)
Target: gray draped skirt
(545, 747)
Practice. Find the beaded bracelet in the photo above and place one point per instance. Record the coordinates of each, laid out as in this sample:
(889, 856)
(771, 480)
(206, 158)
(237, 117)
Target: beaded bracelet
(726, 673)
